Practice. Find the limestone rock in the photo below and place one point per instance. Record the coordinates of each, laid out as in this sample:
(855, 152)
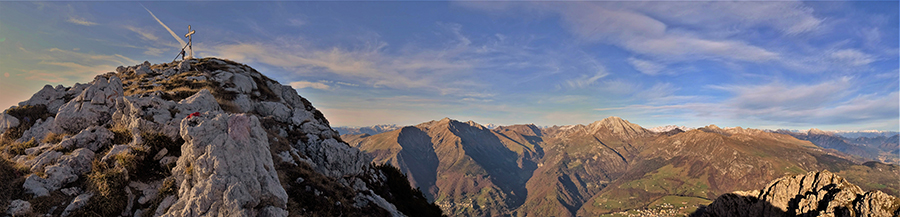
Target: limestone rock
(92, 138)
(52, 97)
(813, 194)
(94, 106)
(142, 69)
(243, 83)
(38, 131)
(201, 101)
(164, 205)
(7, 121)
(336, 159)
(35, 185)
(147, 114)
(79, 160)
(19, 208)
(46, 158)
(242, 101)
(225, 168)
(116, 150)
(77, 203)
(275, 109)
(184, 65)
(71, 191)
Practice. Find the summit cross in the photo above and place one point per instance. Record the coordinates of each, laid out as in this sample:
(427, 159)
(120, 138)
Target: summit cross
(190, 42)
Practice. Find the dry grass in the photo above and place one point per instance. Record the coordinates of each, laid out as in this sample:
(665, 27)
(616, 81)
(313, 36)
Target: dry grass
(54, 138)
(12, 176)
(121, 134)
(18, 148)
(108, 184)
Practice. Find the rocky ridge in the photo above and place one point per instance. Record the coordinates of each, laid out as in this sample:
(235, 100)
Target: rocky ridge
(811, 194)
(188, 138)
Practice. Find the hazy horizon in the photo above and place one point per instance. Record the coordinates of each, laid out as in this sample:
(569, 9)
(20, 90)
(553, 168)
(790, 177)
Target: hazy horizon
(769, 65)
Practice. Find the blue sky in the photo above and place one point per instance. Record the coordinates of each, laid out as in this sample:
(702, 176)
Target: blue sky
(787, 64)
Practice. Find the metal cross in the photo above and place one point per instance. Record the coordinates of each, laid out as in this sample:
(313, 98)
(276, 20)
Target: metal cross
(190, 41)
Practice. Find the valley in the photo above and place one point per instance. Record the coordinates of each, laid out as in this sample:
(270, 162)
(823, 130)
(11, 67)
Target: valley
(608, 167)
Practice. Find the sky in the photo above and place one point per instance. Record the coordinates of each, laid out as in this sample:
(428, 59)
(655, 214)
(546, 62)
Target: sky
(831, 65)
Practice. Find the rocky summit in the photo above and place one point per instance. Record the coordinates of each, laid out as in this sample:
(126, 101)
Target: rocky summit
(811, 194)
(199, 137)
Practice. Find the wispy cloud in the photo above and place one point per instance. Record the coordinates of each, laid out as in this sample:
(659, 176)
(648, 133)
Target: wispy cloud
(145, 34)
(80, 21)
(783, 96)
(646, 66)
(777, 103)
(307, 84)
(586, 80)
(851, 57)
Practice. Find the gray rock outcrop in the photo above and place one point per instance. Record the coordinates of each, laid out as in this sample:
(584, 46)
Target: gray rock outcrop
(94, 106)
(226, 169)
(813, 194)
(19, 208)
(7, 121)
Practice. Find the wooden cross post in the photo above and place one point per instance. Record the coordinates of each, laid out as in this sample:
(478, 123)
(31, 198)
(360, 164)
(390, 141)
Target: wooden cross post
(190, 42)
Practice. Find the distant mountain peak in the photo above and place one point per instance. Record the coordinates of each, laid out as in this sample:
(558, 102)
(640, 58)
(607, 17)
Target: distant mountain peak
(816, 131)
(618, 126)
(667, 128)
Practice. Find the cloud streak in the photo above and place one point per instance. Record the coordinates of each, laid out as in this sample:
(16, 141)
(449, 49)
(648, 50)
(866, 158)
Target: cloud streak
(307, 84)
(80, 21)
(164, 26)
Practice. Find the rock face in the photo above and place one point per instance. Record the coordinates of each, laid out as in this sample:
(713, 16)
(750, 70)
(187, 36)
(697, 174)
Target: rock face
(191, 138)
(813, 194)
(225, 169)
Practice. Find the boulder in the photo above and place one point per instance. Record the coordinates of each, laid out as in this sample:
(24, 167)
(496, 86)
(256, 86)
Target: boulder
(242, 101)
(147, 114)
(226, 168)
(19, 208)
(277, 110)
(202, 101)
(77, 203)
(52, 97)
(184, 66)
(45, 158)
(243, 83)
(92, 138)
(94, 106)
(7, 121)
(79, 160)
(38, 131)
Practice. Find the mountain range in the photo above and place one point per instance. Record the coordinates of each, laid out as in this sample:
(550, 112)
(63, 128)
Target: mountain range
(609, 166)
